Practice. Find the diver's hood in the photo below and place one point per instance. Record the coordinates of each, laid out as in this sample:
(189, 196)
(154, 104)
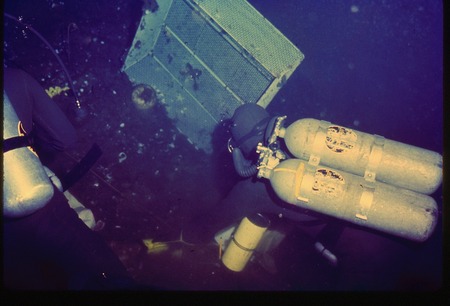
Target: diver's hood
(248, 126)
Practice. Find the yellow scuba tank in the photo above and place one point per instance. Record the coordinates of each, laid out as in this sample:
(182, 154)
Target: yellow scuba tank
(244, 241)
(363, 154)
(26, 186)
(349, 197)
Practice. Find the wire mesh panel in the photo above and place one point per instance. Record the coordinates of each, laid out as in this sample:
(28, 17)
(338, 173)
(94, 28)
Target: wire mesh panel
(207, 58)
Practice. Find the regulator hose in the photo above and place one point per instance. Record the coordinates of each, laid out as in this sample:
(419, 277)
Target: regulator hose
(244, 167)
(80, 111)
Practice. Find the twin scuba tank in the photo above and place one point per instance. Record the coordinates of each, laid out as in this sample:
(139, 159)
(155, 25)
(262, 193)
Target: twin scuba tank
(361, 178)
(26, 185)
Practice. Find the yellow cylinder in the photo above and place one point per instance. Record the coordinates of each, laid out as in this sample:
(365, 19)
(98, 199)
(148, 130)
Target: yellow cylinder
(363, 154)
(244, 242)
(349, 197)
(26, 186)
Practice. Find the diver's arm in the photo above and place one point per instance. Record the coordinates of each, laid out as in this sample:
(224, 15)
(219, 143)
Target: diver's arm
(52, 128)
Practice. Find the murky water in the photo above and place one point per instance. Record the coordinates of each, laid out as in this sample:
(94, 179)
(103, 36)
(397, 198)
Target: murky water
(374, 66)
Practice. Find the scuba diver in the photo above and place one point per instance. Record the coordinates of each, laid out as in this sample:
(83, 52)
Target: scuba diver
(249, 126)
(361, 254)
(45, 244)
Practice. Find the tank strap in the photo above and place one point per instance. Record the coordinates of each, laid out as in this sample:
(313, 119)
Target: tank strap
(81, 168)
(16, 142)
(365, 202)
(240, 245)
(374, 158)
(319, 140)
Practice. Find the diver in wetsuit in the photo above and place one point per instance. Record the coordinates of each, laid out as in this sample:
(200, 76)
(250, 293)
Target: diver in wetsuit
(251, 124)
(363, 258)
(51, 248)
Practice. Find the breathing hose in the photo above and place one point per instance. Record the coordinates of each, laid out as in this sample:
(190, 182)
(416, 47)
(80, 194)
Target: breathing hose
(243, 167)
(80, 111)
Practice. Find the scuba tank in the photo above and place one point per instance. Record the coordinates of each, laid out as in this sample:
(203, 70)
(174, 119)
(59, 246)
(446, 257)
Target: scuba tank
(244, 241)
(363, 154)
(26, 186)
(361, 178)
(387, 208)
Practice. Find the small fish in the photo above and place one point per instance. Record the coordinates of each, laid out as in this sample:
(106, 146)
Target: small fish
(155, 247)
(54, 91)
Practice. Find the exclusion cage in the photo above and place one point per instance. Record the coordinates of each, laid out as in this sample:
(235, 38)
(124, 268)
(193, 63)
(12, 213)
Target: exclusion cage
(206, 58)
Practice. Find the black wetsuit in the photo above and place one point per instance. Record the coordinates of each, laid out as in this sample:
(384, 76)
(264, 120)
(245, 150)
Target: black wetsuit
(52, 248)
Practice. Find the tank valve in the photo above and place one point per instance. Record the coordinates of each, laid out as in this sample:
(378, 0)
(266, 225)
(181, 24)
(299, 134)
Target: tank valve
(269, 158)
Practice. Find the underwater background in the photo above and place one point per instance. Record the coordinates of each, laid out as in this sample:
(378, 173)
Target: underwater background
(375, 66)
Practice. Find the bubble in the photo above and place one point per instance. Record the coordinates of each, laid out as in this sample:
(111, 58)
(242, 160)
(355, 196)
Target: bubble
(354, 9)
(356, 122)
(122, 157)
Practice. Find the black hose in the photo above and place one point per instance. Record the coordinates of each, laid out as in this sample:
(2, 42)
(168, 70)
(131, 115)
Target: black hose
(77, 100)
(243, 167)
